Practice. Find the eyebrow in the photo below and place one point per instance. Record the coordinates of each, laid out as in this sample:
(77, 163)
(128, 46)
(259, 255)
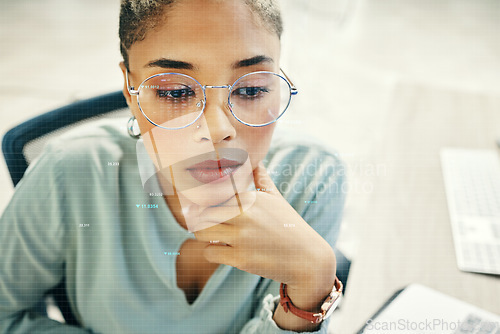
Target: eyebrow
(177, 64)
(252, 61)
(170, 63)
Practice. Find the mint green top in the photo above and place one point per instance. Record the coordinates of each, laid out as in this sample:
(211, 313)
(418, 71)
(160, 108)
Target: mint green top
(75, 214)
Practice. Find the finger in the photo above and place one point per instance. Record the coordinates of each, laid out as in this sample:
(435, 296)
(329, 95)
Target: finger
(220, 254)
(201, 218)
(231, 210)
(263, 181)
(217, 234)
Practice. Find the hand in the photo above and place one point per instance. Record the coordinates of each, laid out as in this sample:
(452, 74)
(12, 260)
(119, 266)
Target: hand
(270, 239)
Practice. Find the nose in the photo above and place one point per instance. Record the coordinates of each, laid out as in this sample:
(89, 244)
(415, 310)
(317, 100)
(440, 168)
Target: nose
(218, 116)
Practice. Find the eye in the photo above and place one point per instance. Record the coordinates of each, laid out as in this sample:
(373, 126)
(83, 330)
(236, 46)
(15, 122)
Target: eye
(181, 93)
(250, 92)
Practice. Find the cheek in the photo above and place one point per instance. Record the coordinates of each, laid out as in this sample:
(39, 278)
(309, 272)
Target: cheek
(257, 141)
(144, 125)
(168, 147)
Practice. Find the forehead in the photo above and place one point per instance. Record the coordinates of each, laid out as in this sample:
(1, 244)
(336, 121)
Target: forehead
(206, 33)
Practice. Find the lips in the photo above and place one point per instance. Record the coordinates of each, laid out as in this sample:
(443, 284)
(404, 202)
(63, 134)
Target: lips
(213, 170)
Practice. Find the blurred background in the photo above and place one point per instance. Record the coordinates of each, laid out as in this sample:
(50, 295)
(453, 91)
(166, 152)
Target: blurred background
(359, 65)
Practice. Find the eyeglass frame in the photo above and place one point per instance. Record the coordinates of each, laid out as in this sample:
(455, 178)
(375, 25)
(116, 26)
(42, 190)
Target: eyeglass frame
(135, 92)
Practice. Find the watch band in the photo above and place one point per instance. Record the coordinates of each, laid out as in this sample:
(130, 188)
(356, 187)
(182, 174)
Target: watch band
(329, 304)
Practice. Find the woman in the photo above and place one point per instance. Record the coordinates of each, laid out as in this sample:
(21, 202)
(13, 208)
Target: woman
(204, 240)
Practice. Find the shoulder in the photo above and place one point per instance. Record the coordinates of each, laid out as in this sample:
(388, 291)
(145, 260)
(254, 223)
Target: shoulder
(90, 153)
(96, 143)
(106, 136)
(299, 158)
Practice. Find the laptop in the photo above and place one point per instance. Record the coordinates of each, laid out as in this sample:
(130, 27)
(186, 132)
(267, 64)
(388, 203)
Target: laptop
(419, 309)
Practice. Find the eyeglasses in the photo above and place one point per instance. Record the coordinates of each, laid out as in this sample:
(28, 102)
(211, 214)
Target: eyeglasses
(174, 101)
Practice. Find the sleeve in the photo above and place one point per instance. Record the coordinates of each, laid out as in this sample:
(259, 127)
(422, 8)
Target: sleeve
(315, 186)
(32, 248)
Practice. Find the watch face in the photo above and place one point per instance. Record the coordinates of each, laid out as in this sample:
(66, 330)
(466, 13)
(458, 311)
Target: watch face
(333, 306)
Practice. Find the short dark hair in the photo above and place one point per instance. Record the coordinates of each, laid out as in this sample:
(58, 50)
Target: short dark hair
(138, 17)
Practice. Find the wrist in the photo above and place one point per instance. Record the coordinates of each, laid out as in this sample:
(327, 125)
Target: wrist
(309, 293)
(326, 308)
(316, 284)
(310, 297)
(317, 278)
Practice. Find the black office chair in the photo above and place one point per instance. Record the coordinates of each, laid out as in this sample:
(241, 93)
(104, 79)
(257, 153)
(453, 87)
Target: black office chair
(23, 143)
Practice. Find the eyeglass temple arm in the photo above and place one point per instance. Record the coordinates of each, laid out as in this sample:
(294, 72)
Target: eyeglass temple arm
(293, 89)
(131, 89)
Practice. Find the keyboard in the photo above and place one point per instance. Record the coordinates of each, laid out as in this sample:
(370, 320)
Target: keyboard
(474, 324)
(472, 184)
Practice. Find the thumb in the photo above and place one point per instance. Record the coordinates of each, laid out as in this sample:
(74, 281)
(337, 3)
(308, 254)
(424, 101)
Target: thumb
(263, 181)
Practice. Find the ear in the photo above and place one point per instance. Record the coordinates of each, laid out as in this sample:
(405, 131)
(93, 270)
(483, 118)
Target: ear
(127, 95)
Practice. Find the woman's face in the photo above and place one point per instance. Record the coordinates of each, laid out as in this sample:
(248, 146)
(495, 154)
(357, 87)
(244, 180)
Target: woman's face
(215, 43)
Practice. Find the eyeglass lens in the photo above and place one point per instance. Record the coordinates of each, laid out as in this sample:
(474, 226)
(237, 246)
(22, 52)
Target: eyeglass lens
(175, 100)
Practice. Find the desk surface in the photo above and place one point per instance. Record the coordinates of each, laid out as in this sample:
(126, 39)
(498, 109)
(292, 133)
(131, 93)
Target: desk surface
(402, 222)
